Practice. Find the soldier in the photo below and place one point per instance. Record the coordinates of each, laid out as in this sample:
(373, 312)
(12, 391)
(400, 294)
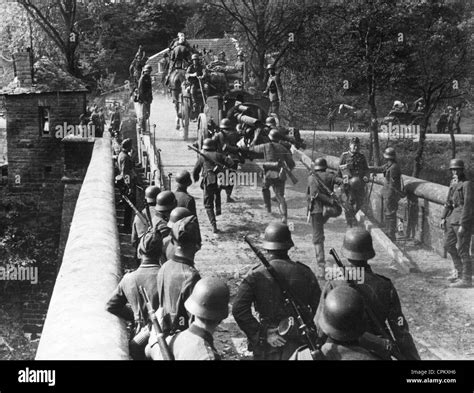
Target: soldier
(180, 56)
(259, 289)
(165, 203)
(194, 73)
(391, 191)
(457, 120)
(241, 67)
(139, 227)
(126, 302)
(127, 172)
(377, 291)
(343, 321)
(209, 304)
(457, 221)
(226, 140)
(274, 90)
(177, 277)
(321, 207)
(209, 179)
(275, 155)
(353, 170)
(116, 120)
(183, 199)
(145, 96)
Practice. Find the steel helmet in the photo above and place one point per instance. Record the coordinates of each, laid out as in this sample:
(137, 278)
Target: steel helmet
(165, 201)
(186, 231)
(356, 184)
(184, 178)
(209, 299)
(277, 237)
(343, 316)
(274, 135)
(177, 214)
(195, 56)
(270, 121)
(320, 164)
(355, 140)
(389, 153)
(209, 144)
(357, 245)
(456, 163)
(225, 124)
(151, 193)
(151, 244)
(270, 67)
(127, 144)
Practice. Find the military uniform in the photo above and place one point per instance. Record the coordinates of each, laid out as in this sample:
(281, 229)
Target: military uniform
(126, 169)
(353, 165)
(227, 144)
(209, 183)
(197, 69)
(176, 280)
(274, 175)
(275, 91)
(321, 207)
(145, 97)
(139, 227)
(185, 200)
(391, 193)
(459, 211)
(382, 297)
(259, 289)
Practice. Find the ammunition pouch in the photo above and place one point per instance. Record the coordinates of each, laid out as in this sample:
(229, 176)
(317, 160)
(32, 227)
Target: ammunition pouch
(332, 211)
(273, 170)
(287, 328)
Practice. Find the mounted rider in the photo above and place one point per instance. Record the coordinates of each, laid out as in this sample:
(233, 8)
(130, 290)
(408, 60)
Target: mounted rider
(180, 55)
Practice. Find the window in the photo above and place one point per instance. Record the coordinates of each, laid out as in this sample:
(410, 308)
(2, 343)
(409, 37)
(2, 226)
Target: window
(44, 122)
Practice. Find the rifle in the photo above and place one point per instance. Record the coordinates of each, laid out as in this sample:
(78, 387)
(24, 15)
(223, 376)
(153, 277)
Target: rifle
(164, 349)
(392, 342)
(121, 186)
(306, 325)
(287, 170)
(218, 166)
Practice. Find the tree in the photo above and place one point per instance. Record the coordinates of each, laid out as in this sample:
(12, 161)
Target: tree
(436, 60)
(268, 27)
(57, 19)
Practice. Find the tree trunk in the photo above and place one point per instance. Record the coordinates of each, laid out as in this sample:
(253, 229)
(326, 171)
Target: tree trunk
(373, 126)
(421, 147)
(453, 141)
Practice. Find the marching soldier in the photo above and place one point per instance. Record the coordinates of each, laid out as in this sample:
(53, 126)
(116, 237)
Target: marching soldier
(321, 207)
(209, 179)
(259, 289)
(391, 191)
(226, 140)
(139, 227)
(354, 171)
(343, 322)
(276, 156)
(274, 90)
(165, 203)
(209, 304)
(195, 72)
(183, 198)
(377, 291)
(145, 96)
(178, 276)
(457, 221)
(126, 302)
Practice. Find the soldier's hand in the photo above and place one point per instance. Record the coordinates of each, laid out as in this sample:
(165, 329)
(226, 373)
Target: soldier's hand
(442, 225)
(274, 339)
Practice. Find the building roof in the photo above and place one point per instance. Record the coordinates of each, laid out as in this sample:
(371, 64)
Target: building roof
(48, 78)
(229, 45)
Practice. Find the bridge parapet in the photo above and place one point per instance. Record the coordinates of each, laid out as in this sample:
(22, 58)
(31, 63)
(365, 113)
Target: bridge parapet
(77, 327)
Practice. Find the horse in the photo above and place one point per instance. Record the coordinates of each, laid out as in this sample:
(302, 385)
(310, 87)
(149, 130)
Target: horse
(175, 84)
(361, 116)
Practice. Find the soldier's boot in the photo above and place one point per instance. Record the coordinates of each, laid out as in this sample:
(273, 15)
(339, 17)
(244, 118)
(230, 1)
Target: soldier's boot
(283, 210)
(320, 260)
(457, 271)
(228, 191)
(218, 203)
(466, 281)
(212, 220)
(267, 200)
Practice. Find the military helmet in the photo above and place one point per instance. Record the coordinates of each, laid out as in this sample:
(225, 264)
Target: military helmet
(274, 135)
(355, 140)
(357, 245)
(456, 163)
(186, 231)
(270, 67)
(277, 237)
(195, 56)
(356, 184)
(389, 153)
(148, 67)
(240, 53)
(320, 164)
(343, 317)
(184, 178)
(270, 121)
(209, 144)
(151, 193)
(151, 244)
(177, 214)
(165, 201)
(209, 299)
(225, 124)
(126, 144)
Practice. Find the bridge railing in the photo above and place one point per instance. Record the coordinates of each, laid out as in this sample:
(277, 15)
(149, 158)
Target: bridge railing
(77, 327)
